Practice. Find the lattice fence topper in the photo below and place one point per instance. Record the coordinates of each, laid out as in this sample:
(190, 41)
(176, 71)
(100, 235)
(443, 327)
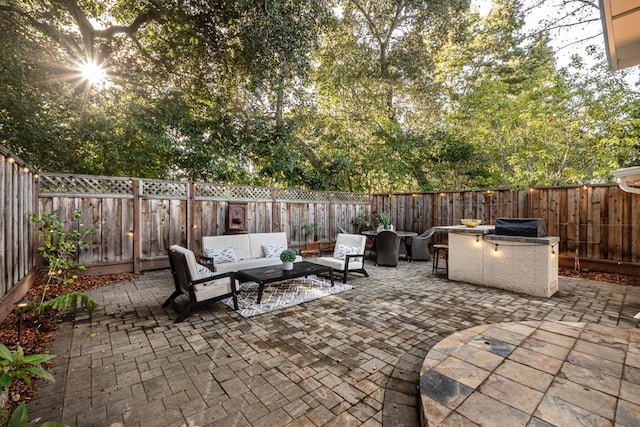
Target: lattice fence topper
(232, 192)
(171, 189)
(84, 184)
(351, 198)
(54, 183)
(297, 195)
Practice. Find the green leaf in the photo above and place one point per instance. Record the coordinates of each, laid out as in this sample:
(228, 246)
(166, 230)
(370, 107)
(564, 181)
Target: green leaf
(5, 353)
(37, 359)
(19, 417)
(41, 373)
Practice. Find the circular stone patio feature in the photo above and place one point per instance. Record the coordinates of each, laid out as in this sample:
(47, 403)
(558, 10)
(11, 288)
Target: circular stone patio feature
(533, 373)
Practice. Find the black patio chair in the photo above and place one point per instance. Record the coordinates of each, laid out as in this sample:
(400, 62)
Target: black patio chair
(199, 284)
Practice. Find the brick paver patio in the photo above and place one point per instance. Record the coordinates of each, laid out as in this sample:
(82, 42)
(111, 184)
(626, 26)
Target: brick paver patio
(346, 360)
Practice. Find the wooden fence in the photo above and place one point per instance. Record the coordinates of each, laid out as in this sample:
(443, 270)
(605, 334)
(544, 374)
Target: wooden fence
(135, 220)
(17, 256)
(598, 226)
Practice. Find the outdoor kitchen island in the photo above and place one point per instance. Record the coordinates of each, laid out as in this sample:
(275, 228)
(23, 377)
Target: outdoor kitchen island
(520, 264)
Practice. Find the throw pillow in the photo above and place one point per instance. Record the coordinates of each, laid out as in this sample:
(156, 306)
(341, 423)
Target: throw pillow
(273, 251)
(220, 256)
(204, 271)
(343, 251)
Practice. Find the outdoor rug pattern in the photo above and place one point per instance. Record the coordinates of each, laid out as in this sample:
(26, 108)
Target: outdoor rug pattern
(280, 295)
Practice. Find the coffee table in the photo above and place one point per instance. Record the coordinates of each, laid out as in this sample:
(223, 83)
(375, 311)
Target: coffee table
(274, 273)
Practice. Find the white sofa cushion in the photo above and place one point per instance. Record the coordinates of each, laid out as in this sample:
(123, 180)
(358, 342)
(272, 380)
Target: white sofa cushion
(339, 264)
(350, 240)
(342, 251)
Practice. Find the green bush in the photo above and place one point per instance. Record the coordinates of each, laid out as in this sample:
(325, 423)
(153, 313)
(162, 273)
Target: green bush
(60, 249)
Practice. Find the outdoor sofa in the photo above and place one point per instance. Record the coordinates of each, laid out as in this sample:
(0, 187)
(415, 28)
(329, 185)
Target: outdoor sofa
(235, 252)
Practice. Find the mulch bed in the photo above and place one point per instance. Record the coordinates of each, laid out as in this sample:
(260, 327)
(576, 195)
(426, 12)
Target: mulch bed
(620, 279)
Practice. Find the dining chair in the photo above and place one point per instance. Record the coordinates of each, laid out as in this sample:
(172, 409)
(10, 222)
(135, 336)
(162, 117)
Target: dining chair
(387, 248)
(418, 248)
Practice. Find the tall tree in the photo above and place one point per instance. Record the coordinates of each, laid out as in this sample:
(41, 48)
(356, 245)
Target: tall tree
(215, 60)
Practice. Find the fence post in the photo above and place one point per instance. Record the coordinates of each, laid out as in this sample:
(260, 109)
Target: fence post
(274, 211)
(137, 188)
(191, 225)
(331, 218)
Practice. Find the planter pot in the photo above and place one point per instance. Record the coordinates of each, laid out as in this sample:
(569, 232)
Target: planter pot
(287, 266)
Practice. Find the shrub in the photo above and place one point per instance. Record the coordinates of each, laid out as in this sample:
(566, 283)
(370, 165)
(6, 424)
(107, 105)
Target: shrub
(60, 250)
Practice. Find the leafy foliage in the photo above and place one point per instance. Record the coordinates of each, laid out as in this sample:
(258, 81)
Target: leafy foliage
(355, 95)
(15, 366)
(59, 248)
(288, 255)
(68, 301)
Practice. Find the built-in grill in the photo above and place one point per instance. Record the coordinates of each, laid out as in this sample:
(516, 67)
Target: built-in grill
(523, 227)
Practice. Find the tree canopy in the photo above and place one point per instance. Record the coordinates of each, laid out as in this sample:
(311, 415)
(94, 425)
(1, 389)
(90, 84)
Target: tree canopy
(354, 95)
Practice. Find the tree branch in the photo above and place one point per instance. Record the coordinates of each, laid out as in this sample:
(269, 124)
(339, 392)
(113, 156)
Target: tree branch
(90, 34)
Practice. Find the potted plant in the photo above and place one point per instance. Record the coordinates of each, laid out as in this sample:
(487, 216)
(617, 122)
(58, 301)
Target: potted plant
(363, 221)
(385, 221)
(288, 256)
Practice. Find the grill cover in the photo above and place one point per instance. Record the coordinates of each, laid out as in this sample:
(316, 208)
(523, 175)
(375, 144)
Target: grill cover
(524, 227)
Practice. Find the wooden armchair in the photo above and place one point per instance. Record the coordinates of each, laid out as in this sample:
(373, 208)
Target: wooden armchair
(197, 282)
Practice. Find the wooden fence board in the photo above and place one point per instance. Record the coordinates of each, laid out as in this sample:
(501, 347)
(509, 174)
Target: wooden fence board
(614, 235)
(572, 220)
(635, 229)
(112, 228)
(625, 227)
(5, 219)
(14, 225)
(17, 242)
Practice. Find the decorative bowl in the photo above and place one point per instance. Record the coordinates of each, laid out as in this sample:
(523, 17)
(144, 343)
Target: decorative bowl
(470, 222)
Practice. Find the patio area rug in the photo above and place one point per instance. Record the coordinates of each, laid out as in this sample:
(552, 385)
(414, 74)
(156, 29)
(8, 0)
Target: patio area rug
(280, 295)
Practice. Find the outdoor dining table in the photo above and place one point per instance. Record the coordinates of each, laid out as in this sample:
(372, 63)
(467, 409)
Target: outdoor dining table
(402, 234)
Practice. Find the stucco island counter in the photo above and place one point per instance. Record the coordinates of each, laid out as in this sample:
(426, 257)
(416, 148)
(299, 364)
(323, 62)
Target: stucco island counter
(520, 264)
